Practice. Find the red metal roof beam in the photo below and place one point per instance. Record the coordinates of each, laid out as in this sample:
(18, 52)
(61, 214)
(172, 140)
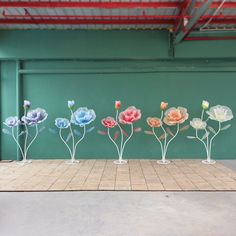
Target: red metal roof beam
(217, 21)
(26, 4)
(163, 17)
(217, 4)
(105, 21)
(86, 21)
(69, 4)
(210, 38)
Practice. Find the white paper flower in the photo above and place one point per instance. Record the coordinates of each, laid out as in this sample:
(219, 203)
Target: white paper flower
(197, 123)
(205, 105)
(220, 113)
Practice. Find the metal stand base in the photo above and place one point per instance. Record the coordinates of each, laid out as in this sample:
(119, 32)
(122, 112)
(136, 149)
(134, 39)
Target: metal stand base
(161, 162)
(25, 162)
(208, 162)
(70, 162)
(120, 162)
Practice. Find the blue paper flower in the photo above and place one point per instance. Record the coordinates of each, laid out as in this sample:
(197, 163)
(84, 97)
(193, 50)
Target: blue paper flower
(35, 116)
(83, 116)
(62, 123)
(12, 121)
(71, 104)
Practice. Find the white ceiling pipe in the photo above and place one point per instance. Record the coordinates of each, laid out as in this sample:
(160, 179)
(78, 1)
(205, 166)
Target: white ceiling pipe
(215, 13)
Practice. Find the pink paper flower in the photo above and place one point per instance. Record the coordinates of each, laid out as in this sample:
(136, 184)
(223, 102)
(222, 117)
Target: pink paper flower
(130, 115)
(109, 122)
(117, 105)
(175, 116)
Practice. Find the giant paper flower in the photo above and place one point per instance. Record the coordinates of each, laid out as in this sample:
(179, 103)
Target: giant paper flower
(71, 104)
(12, 121)
(197, 123)
(175, 116)
(35, 116)
(62, 123)
(83, 116)
(220, 113)
(27, 104)
(163, 105)
(154, 122)
(117, 105)
(109, 122)
(130, 115)
(205, 105)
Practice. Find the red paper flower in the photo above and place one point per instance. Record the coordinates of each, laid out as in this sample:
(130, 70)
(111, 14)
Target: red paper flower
(130, 115)
(109, 122)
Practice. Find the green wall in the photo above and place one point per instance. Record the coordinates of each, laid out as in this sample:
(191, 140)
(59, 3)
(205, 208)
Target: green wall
(95, 68)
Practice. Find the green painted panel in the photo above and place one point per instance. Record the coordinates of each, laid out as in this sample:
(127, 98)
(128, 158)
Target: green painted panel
(132, 66)
(206, 49)
(83, 44)
(8, 106)
(145, 91)
(76, 66)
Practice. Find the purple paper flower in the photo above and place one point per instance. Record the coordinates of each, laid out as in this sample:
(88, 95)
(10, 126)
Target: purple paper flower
(27, 104)
(35, 116)
(12, 121)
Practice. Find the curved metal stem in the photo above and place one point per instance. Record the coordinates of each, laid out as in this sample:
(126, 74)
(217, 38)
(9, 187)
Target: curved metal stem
(202, 114)
(166, 146)
(210, 144)
(13, 135)
(162, 113)
(72, 134)
(121, 132)
(36, 134)
(205, 145)
(162, 151)
(26, 140)
(79, 141)
(60, 133)
(108, 132)
(123, 147)
(26, 136)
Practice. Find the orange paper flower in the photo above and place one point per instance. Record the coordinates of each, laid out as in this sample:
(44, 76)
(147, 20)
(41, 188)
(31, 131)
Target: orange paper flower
(154, 122)
(175, 116)
(163, 105)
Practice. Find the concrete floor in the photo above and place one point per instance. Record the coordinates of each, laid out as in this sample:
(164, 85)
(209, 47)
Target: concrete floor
(229, 163)
(118, 214)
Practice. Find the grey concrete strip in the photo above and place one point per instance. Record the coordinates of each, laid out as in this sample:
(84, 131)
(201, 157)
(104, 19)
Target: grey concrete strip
(229, 163)
(118, 214)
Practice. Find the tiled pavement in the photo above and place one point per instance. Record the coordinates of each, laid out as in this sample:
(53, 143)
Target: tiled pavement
(52, 175)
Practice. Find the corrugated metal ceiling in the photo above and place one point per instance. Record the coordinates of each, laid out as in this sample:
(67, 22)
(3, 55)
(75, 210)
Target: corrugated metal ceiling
(90, 18)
